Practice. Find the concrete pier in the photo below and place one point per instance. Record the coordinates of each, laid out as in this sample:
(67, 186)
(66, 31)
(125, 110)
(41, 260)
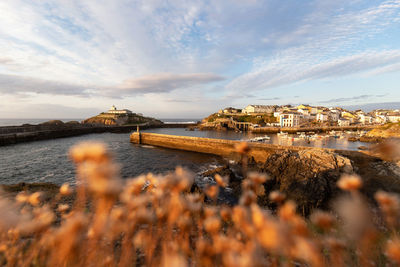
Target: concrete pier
(221, 147)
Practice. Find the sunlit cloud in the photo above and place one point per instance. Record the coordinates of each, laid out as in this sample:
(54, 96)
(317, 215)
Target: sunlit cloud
(233, 52)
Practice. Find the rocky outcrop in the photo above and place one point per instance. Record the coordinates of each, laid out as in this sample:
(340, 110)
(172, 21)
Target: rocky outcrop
(121, 119)
(53, 123)
(308, 176)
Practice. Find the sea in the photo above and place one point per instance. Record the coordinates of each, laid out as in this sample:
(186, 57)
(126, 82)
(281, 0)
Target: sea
(48, 160)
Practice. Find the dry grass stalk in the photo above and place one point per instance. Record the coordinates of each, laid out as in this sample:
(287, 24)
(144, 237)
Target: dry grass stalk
(153, 220)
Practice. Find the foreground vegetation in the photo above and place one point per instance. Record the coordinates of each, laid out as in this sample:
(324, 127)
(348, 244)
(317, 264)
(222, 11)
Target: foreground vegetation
(153, 220)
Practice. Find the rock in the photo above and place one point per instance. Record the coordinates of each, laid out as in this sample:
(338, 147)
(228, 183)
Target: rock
(121, 119)
(308, 176)
(389, 130)
(72, 123)
(363, 148)
(370, 139)
(53, 123)
(229, 195)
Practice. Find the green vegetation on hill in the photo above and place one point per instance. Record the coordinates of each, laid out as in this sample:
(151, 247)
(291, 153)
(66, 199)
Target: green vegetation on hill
(255, 119)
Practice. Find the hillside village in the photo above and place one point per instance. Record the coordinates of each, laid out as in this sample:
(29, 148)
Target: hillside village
(287, 116)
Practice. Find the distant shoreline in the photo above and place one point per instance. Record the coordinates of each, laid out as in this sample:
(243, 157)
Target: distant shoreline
(10, 135)
(5, 122)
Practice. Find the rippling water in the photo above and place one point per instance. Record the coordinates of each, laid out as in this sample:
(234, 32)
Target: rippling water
(47, 161)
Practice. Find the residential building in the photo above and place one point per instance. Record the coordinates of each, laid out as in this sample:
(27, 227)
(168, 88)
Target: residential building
(323, 116)
(334, 115)
(343, 122)
(349, 116)
(259, 109)
(393, 116)
(365, 119)
(291, 119)
(380, 119)
(230, 110)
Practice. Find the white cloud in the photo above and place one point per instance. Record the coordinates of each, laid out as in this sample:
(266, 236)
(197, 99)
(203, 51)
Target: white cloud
(122, 48)
(285, 70)
(166, 82)
(325, 47)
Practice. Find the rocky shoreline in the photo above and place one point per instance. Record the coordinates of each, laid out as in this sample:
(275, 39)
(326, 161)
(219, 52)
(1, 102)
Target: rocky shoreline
(308, 177)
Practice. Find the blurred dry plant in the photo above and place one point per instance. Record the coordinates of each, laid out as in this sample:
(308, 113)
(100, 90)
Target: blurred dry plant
(153, 220)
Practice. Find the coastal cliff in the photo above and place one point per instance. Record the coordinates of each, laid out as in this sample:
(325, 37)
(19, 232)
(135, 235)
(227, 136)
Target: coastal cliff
(121, 119)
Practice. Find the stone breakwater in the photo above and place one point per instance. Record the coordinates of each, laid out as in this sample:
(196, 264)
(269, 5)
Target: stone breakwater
(225, 148)
(17, 134)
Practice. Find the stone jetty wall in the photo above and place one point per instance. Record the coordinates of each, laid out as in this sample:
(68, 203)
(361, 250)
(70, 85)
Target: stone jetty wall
(16, 134)
(221, 147)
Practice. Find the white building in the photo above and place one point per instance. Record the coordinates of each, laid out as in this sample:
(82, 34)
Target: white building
(365, 119)
(380, 119)
(393, 116)
(343, 122)
(289, 120)
(321, 117)
(114, 110)
(334, 115)
(258, 109)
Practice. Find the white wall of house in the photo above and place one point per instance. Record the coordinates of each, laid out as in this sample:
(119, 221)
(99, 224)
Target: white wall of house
(289, 120)
(258, 109)
(343, 122)
(322, 117)
(393, 118)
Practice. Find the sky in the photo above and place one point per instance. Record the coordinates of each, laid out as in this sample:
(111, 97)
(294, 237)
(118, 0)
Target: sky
(187, 59)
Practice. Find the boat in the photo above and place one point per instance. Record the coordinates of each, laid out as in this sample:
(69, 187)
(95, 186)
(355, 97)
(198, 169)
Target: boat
(282, 134)
(261, 139)
(303, 135)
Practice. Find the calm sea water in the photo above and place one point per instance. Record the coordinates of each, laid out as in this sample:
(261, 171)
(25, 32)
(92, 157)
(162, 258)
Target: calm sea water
(47, 161)
(19, 122)
(231, 135)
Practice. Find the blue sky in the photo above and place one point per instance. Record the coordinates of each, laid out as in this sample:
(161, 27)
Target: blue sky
(70, 58)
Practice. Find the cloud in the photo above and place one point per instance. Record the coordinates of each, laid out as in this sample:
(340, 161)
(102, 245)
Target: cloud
(180, 100)
(346, 99)
(272, 98)
(5, 60)
(121, 49)
(48, 111)
(166, 82)
(330, 41)
(14, 84)
(156, 83)
(282, 71)
(371, 106)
